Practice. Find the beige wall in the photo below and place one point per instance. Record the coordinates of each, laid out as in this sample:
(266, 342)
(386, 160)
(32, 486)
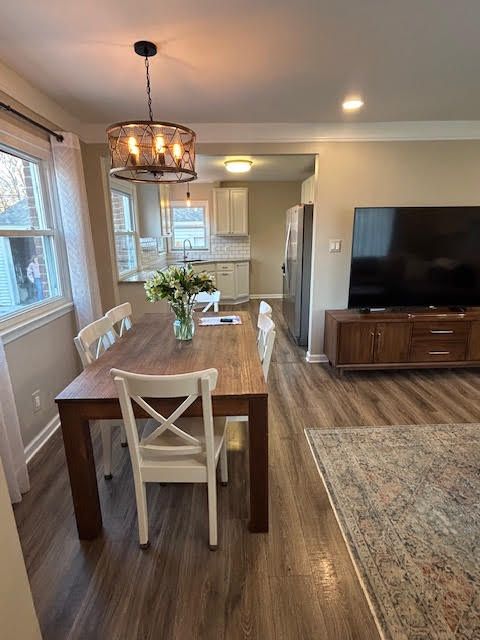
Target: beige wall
(198, 191)
(44, 359)
(374, 174)
(267, 204)
(18, 620)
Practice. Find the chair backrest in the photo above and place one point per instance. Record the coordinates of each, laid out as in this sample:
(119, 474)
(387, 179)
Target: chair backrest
(209, 299)
(134, 387)
(266, 341)
(94, 339)
(121, 318)
(264, 308)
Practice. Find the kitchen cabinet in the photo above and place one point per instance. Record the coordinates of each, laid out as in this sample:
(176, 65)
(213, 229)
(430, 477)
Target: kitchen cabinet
(226, 284)
(230, 206)
(242, 282)
(231, 278)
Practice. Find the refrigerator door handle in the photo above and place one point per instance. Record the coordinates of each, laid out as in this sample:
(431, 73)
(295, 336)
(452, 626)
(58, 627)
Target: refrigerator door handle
(285, 259)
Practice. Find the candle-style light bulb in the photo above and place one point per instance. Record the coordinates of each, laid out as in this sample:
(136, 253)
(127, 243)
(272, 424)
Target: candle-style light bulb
(160, 150)
(133, 149)
(177, 151)
(189, 200)
(159, 144)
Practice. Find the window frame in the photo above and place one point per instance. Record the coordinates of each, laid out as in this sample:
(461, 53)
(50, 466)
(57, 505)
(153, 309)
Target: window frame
(180, 204)
(33, 149)
(129, 190)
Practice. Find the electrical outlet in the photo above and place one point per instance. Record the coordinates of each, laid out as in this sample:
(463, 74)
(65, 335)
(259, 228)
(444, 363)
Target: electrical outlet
(334, 246)
(36, 401)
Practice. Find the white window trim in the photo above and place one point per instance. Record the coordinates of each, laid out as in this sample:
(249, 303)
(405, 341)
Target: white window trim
(130, 190)
(198, 203)
(22, 321)
(15, 327)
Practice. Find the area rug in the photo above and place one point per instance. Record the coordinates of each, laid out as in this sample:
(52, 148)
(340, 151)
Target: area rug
(407, 499)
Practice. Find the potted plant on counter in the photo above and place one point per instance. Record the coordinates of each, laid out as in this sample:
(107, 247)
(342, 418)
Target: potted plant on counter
(179, 285)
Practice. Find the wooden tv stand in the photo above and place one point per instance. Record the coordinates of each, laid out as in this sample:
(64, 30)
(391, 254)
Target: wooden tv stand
(402, 339)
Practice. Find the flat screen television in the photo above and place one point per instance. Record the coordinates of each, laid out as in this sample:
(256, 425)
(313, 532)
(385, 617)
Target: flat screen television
(415, 257)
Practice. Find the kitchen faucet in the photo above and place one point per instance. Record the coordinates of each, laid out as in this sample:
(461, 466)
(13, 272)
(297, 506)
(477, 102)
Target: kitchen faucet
(185, 248)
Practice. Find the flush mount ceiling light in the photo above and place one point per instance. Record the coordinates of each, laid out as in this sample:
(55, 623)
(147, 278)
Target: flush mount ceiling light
(352, 104)
(238, 166)
(149, 150)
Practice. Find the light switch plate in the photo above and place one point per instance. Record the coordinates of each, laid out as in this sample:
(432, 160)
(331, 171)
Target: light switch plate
(334, 246)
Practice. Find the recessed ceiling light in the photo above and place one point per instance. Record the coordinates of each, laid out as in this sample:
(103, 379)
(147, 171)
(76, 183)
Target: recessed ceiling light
(352, 104)
(238, 166)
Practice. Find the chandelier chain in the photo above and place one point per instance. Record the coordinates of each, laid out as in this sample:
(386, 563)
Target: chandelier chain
(149, 97)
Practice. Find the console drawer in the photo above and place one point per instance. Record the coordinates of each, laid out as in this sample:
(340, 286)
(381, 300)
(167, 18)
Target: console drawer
(437, 350)
(441, 330)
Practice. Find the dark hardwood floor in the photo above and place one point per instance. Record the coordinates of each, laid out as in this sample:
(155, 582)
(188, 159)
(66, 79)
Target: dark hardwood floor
(297, 582)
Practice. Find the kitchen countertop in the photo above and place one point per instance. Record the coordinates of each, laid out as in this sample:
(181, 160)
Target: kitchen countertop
(145, 274)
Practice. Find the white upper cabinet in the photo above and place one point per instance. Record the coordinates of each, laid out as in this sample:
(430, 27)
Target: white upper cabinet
(221, 207)
(231, 211)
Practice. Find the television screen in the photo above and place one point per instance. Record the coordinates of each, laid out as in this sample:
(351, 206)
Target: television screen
(415, 256)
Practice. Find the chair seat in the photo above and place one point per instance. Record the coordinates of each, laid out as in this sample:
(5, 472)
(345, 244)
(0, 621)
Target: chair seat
(192, 426)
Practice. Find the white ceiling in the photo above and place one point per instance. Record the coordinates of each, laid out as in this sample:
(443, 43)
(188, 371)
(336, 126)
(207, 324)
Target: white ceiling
(264, 168)
(254, 61)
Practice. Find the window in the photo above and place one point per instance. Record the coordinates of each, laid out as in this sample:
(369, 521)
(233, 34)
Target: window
(124, 229)
(29, 274)
(189, 223)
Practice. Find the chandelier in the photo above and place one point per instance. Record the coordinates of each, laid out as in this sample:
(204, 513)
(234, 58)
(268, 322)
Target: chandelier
(149, 150)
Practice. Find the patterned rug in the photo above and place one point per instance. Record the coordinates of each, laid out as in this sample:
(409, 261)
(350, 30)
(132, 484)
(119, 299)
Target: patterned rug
(407, 499)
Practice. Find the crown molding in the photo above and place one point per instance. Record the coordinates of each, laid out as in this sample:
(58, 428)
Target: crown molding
(275, 132)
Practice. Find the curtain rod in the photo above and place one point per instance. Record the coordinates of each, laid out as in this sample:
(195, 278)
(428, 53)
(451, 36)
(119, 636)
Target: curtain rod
(7, 107)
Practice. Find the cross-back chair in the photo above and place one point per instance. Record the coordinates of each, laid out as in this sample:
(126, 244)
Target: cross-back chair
(178, 449)
(121, 318)
(91, 342)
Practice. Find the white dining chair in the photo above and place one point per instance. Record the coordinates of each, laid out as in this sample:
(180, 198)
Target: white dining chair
(92, 341)
(265, 345)
(264, 309)
(178, 449)
(121, 318)
(209, 300)
(266, 341)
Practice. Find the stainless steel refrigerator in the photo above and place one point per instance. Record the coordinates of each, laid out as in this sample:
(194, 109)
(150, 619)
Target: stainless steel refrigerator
(296, 269)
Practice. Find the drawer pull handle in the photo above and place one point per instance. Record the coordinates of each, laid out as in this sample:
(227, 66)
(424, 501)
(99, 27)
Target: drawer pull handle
(441, 331)
(438, 353)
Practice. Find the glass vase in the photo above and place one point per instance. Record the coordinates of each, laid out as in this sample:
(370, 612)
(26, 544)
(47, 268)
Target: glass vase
(183, 325)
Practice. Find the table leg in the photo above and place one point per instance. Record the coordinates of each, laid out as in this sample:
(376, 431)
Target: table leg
(81, 469)
(258, 461)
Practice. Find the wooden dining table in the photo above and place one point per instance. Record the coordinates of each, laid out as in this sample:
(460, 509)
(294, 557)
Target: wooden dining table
(150, 347)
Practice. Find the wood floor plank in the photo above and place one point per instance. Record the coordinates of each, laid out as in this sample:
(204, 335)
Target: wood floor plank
(296, 582)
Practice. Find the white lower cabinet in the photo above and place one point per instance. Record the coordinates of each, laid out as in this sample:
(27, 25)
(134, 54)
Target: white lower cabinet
(226, 284)
(242, 280)
(231, 278)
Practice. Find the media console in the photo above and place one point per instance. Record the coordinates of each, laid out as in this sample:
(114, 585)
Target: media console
(402, 339)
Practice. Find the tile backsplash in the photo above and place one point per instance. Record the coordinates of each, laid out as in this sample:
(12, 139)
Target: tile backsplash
(222, 247)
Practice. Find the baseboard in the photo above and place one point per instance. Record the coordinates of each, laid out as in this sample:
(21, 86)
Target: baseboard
(38, 442)
(263, 296)
(316, 357)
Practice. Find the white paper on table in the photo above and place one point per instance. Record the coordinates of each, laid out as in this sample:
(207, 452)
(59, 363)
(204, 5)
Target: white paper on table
(210, 321)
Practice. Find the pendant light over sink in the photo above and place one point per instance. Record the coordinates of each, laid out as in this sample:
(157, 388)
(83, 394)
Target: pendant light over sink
(150, 150)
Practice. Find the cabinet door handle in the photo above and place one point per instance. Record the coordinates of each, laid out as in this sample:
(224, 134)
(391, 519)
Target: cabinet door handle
(438, 353)
(441, 331)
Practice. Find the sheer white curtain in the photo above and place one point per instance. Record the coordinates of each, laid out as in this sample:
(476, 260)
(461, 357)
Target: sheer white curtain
(72, 195)
(11, 445)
